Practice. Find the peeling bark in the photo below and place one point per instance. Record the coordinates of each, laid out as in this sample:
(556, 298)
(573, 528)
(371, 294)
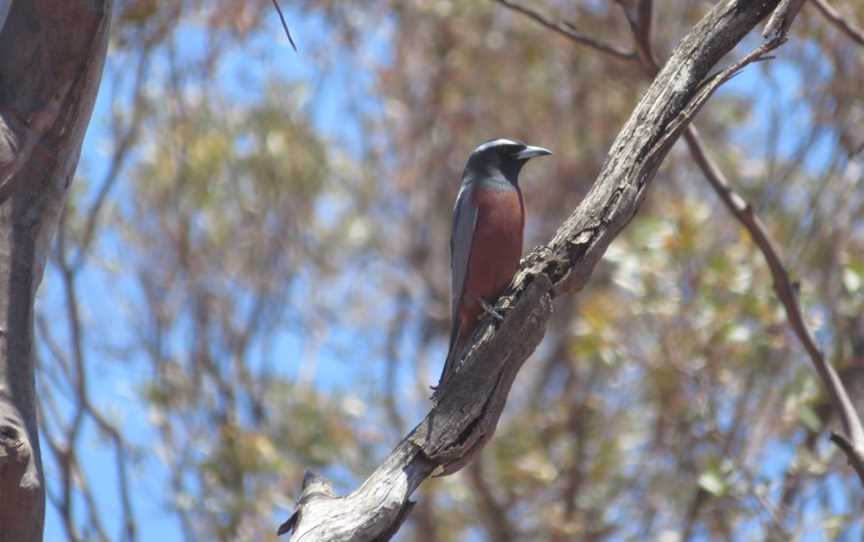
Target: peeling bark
(51, 56)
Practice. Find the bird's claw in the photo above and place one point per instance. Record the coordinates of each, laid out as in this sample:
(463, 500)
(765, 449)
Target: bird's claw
(489, 309)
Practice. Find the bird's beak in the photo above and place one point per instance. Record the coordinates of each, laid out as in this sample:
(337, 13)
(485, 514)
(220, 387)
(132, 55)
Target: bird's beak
(531, 152)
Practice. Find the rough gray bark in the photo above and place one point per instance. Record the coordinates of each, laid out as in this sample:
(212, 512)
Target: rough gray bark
(468, 407)
(51, 56)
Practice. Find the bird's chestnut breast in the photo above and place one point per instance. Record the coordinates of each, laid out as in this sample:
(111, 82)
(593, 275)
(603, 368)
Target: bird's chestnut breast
(497, 243)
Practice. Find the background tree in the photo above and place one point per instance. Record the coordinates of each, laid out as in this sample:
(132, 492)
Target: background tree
(253, 277)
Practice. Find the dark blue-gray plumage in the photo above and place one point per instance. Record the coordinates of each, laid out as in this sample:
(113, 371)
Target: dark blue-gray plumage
(486, 242)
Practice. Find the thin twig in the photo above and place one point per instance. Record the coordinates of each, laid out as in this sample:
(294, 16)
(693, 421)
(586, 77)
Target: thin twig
(284, 24)
(568, 30)
(837, 19)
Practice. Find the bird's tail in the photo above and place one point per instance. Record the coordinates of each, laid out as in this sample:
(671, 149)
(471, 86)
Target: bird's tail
(448, 367)
(452, 358)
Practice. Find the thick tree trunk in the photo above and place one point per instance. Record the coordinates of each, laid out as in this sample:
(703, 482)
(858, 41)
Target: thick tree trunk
(51, 56)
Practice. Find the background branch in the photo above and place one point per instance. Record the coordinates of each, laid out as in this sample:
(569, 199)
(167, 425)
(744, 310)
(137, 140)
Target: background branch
(569, 31)
(842, 22)
(742, 210)
(638, 16)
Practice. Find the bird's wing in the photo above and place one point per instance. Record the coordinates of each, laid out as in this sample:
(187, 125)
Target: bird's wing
(464, 221)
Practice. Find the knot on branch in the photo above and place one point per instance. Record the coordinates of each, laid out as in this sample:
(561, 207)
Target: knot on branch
(17, 468)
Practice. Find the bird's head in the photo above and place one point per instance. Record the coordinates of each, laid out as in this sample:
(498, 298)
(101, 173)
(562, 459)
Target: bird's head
(501, 156)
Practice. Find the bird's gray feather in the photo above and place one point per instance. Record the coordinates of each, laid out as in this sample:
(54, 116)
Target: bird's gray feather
(464, 221)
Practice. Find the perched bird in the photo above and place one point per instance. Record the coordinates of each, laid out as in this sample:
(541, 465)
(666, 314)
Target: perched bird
(486, 243)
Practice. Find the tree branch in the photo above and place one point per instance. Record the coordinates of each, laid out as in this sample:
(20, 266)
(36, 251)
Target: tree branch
(837, 19)
(569, 31)
(852, 451)
(777, 26)
(787, 294)
(781, 20)
(468, 406)
(639, 19)
(285, 25)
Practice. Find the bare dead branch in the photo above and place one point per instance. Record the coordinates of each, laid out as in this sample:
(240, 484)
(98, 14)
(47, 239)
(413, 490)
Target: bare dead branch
(852, 451)
(786, 293)
(468, 407)
(782, 18)
(843, 23)
(456, 428)
(639, 18)
(569, 31)
(777, 27)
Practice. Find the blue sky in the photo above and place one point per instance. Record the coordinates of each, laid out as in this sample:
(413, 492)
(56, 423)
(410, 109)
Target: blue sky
(243, 75)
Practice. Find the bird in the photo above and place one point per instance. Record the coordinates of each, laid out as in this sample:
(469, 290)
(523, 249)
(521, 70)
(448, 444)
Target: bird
(486, 240)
